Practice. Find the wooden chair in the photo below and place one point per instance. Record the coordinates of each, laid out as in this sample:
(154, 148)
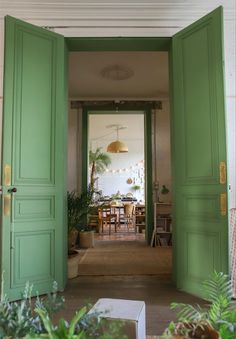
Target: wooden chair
(107, 218)
(129, 216)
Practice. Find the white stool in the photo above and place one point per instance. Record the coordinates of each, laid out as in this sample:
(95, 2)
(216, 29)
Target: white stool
(131, 312)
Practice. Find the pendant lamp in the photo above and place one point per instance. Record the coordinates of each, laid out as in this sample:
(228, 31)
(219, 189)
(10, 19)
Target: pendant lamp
(117, 146)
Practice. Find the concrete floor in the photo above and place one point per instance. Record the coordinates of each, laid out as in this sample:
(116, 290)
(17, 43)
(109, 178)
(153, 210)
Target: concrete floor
(157, 292)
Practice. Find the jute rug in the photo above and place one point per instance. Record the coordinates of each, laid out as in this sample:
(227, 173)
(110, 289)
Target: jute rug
(125, 258)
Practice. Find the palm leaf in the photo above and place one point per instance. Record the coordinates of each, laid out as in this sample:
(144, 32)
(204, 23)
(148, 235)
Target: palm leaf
(186, 312)
(99, 159)
(218, 286)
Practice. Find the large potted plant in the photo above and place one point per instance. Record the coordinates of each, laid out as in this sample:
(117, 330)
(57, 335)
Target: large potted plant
(217, 320)
(79, 208)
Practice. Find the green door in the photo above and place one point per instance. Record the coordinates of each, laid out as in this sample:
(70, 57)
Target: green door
(33, 220)
(199, 153)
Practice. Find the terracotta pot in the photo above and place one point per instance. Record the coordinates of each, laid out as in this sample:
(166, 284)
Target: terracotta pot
(199, 332)
(86, 239)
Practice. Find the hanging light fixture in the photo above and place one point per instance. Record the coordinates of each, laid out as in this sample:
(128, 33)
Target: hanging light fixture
(117, 146)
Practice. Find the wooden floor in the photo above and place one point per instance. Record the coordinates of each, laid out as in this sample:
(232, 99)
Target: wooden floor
(157, 290)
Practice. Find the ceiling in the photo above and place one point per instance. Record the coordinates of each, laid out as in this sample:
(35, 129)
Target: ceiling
(133, 134)
(149, 79)
(134, 123)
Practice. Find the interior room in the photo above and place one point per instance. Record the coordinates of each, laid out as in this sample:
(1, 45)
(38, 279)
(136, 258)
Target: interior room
(35, 227)
(115, 79)
(121, 181)
(124, 175)
(101, 79)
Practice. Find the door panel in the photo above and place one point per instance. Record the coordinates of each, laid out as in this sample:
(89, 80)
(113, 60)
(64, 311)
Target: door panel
(35, 108)
(34, 232)
(199, 146)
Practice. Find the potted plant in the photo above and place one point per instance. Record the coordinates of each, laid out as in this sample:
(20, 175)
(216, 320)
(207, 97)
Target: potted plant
(79, 208)
(215, 321)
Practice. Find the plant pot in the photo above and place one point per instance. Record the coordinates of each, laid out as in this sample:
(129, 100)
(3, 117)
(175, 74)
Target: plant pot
(198, 332)
(72, 237)
(86, 239)
(73, 265)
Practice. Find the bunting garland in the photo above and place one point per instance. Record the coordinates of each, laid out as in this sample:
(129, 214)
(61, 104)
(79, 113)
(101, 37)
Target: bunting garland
(137, 166)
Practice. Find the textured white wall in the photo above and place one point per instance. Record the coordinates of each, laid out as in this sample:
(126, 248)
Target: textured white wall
(163, 151)
(132, 18)
(110, 183)
(1, 88)
(72, 157)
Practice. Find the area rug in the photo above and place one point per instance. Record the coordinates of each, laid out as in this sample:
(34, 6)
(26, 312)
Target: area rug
(125, 258)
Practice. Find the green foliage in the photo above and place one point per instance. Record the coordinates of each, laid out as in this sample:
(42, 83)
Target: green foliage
(220, 313)
(29, 320)
(82, 326)
(98, 162)
(18, 319)
(79, 206)
(136, 188)
(99, 159)
(52, 303)
(63, 330)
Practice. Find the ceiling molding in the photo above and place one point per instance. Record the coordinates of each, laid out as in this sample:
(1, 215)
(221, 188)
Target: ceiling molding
(75, 104)
(157, 11)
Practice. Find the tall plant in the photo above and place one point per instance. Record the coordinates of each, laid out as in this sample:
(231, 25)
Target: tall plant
(98, 161)
(78, 207)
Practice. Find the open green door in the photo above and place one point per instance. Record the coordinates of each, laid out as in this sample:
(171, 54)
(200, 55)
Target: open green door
(33, 217)
(199, 153)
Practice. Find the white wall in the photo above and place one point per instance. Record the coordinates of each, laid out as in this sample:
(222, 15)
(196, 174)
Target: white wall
(162, 150)
(1, 88)
(132, 18)
(230, 90)
(123, 165)
(110, 183)
(72, 159)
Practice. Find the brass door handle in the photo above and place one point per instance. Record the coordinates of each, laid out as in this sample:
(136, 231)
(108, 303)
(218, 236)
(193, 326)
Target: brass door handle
(7, 175)
(223, 204)
(6, 205)
(222, 172)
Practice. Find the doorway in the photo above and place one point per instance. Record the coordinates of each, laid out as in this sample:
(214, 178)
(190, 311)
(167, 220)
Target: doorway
(144, 92)
(201, 230)
(117, 169)
(133, 80)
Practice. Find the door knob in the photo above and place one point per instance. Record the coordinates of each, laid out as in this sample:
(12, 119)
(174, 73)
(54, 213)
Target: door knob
(12, 190)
